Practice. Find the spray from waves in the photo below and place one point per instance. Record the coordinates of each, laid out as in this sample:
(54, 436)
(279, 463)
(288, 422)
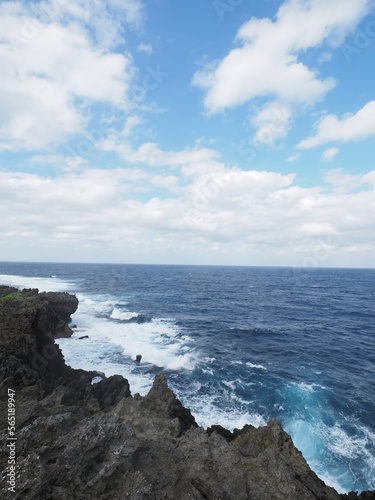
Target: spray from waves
(259, 367)
(122, 315)
(96, 353)
(159, 341)
(251, 365)
(336, 446)
(51, 284)
(220, 393)
(211, 407)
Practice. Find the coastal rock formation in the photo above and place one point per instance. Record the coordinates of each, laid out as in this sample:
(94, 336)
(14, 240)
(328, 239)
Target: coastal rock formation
(80, 440)
(61, 303)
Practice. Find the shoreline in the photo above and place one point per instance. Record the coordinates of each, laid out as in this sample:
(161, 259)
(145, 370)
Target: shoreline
(57, 405)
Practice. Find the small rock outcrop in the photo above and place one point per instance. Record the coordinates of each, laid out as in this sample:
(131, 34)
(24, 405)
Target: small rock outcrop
(62, 303)
(80, 440)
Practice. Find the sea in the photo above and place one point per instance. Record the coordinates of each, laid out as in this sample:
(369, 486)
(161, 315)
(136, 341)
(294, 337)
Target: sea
(238, 345)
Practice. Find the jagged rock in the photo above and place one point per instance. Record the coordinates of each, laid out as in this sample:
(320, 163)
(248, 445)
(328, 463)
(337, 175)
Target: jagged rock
(27, 327)
(111, 390)
(62, 303)
(79, 440)
(163, 402)
(226, 434)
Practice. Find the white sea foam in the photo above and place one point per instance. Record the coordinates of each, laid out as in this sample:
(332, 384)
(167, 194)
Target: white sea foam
(95, 353)
(122, 315)
(258, 367)
(248, 363)
(303, 386)
(208, 412)
(231, 384)
(51, 284)
(209, 371)
(93, 307)
(344, 446)
(345, 441)
(159, 342)
(207, 359)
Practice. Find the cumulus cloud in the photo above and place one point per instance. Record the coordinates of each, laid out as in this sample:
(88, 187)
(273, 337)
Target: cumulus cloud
(346, 182)
(52, 70)
(352, 127)
(230, 209)
(106, 20)
(267, 63)
(151, 155)
(272, 122)
(59, 163)
(330, 153)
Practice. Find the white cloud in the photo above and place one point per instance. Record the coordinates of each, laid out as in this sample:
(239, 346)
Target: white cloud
(146, 48)
(272, 122)
(130, 124)
(59, 163)
(51, 72)
(330, 153)
(169, 183)
(106, 20)
(317, 229)
(237, 212)
(150, 154)
(266, 62)
(347, 182)
(133, 9)
(352, 127)
(325, 57)
(294, 157)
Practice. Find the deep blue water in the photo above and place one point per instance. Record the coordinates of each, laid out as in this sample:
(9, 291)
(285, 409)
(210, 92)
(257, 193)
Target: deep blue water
(238, 345)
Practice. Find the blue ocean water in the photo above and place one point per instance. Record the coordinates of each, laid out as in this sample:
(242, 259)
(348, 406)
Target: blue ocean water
(238, 345)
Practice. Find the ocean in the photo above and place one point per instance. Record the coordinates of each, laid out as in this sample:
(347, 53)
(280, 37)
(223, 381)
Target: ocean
(238, 345)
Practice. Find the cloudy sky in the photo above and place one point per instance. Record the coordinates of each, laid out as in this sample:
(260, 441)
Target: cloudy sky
(204, 132)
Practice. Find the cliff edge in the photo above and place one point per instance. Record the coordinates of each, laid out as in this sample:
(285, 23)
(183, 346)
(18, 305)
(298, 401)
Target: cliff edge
(80, 440)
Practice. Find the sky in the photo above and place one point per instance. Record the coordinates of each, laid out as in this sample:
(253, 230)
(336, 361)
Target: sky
(223, 132)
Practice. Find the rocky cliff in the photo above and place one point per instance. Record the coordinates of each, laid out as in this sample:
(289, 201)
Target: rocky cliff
(80, 440)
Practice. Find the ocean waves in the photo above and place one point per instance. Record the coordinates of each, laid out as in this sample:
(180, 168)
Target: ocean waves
(239, 345)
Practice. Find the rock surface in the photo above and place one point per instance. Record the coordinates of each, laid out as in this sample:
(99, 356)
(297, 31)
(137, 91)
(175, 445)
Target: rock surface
(79, 440)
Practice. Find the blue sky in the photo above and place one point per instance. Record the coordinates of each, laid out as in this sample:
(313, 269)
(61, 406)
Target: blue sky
(204, 132)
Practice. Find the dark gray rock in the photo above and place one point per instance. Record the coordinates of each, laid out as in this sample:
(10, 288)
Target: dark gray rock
(62, 303)
(111, 390)
(7, 290)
